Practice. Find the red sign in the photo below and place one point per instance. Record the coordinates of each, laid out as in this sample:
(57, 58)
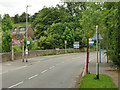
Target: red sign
(17, 39)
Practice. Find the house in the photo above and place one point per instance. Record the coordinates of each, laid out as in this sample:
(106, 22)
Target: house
(22, 29)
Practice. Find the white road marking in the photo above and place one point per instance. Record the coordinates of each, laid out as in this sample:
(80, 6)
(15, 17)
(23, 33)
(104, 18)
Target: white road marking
(15, 85)
(33, 76)
(51, 67)
(44, 71)
(8, 64)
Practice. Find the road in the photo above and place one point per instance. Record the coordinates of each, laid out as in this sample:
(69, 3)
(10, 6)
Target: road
(57, 71)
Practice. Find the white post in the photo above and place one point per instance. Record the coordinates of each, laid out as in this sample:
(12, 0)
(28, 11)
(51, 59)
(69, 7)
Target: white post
(12, 50)
(26, 29)
(23, 48)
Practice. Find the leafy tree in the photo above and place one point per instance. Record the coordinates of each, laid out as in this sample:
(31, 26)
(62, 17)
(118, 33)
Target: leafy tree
(22, 17)
(113, 32)
(7, 23)
(16, 19)
(6, 42)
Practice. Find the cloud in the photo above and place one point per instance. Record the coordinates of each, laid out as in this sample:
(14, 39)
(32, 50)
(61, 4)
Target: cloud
(13, 7)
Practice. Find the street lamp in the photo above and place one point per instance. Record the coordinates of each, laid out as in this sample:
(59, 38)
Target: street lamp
(27, 30)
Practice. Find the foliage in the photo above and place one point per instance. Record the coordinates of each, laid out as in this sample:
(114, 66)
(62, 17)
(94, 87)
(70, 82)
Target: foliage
(113, 31)
(20, 18)
(7, 23)
(53, 26)
(32, 45)
(74, 21)
(6, 42)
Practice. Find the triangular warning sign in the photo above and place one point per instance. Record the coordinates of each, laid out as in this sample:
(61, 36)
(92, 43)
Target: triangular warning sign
(95, 36)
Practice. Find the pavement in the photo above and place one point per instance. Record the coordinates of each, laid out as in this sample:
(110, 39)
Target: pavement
(56, 71)
(105, 68)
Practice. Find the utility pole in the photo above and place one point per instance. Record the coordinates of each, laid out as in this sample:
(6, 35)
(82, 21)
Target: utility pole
(26, 31)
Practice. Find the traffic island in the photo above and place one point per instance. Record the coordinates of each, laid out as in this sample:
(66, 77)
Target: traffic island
(104, 81)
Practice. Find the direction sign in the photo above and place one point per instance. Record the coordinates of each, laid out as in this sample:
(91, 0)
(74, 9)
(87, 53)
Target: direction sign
(76, 44)
(99, 37)
(28, 42)
(91, 42)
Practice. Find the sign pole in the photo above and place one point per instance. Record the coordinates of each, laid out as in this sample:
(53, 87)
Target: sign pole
(107, 54)
(12, 49)
(23, 48)
(97, 64)
(99, 52)
(87, 55)
(65, 45)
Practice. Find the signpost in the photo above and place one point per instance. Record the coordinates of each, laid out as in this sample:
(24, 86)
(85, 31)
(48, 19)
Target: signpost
(65, 45)
(87, 55)
(17, 40)
(28, 42)
(97, 37)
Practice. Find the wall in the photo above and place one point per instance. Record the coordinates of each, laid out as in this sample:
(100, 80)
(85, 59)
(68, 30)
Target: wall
(32, 53)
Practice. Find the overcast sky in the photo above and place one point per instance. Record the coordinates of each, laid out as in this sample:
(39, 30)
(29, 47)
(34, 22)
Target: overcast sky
(13, 7)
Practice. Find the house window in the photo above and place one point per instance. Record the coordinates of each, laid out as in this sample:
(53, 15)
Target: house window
(22, 29)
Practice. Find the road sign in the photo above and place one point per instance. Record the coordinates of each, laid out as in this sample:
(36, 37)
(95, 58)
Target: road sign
(99, 36)
(17, 39)
(76, 44)
(65, 41)
(26, 51)
(28, 42)
(91, 42)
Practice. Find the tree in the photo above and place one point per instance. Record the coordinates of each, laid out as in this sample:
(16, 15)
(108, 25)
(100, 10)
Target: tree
(113, 33)
(6, 42)
(7, 23)
(16, 19)
(22, 17)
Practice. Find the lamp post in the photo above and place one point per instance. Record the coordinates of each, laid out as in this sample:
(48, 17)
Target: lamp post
(27, 31)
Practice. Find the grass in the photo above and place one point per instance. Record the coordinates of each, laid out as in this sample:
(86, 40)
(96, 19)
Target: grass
(104, 81)
(22, 23)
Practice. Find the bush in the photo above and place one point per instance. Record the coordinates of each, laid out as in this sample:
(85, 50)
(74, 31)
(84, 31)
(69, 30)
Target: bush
(6, 42)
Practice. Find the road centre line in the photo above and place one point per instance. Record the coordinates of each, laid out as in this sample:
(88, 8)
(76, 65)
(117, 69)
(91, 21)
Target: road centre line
(33, 76)
(16, 84)
(51, 67)
(44, 71)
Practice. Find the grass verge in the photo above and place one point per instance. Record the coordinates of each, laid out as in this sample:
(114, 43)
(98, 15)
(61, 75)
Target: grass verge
(104, 81)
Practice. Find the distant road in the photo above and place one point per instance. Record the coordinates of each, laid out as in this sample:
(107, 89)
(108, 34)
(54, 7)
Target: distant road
(57, 71)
